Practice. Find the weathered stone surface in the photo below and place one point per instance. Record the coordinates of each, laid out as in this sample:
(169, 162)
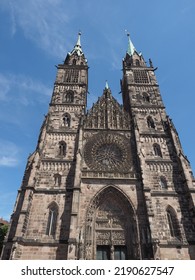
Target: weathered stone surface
(110, 182)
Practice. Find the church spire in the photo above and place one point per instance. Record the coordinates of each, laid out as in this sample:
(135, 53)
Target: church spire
(79, 40)
(107, 91)
(77, 48)
(107, 86)
(76, 56)
(131, 49)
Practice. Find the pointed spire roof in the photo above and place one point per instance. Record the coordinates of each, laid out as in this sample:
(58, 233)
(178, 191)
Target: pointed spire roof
(79, 40)
(107, 92)
(131, 49)
(77, 48)
(107, 86)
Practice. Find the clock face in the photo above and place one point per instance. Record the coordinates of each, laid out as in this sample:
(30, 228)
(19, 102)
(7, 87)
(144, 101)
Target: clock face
(107, 152)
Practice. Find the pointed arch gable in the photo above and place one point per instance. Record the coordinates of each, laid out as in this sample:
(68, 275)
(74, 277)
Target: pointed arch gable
(103, 194)
(110, 221)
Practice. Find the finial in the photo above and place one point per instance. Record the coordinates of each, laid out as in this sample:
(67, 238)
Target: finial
(128, 34)
(107, 86)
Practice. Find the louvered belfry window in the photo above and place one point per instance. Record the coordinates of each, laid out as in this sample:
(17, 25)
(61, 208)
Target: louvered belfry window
(71, 76)
(141, 76)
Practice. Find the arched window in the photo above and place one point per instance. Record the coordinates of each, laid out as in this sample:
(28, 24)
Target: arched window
(150, 122)
(62, 148)
(157, 150)
(146, 97)
(74, 62)
(163, 182)
(137, 63)
(173, 223)
(66, 120)
(57, 180)
(69, 96)
(52, 219)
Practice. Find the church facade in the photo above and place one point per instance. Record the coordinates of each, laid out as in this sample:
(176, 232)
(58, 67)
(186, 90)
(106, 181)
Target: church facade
(108, 183)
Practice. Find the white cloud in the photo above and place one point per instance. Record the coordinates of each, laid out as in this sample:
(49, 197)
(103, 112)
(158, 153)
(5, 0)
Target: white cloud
(9, 154)
(44, 22)
(8, 161)
(4, 87)
(52, 24)
(22, 89)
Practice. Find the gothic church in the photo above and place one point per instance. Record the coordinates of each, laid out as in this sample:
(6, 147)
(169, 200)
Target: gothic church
(108, 183)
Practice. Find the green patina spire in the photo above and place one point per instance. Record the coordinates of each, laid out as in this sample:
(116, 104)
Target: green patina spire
(107, 86)
(131, 49)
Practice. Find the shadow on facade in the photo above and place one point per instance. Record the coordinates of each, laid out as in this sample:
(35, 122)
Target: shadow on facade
(62, 250)
(181, 187)
(145, 240)
(7, 249)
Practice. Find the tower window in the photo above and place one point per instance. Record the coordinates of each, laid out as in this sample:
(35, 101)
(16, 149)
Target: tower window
(69, 96)
(150, 122)
(71, 76)
(157, 150)
(66, 120)
(137, 63)
(57, 180)
(146, 97)
(173, 223)
(62, 148)
(52, 220)
(141, 76)
(163, 182)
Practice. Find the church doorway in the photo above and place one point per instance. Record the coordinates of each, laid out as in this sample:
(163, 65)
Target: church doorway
(111, 229)
(105, 252)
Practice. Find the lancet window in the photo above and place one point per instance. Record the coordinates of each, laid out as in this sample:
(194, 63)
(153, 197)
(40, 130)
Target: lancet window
(173, 223)
(52, 219)
(62, 148)
(157, 150)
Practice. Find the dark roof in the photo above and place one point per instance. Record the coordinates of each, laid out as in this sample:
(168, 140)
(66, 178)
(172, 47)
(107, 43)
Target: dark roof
(3, 222)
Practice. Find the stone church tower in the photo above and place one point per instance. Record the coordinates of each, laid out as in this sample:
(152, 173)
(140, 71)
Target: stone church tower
(109, 183)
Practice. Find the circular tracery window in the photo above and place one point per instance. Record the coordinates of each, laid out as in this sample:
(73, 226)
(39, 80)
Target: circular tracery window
(109, 155)
(107, 152)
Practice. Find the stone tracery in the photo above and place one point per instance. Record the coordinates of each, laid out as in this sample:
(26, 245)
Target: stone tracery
(108, 152)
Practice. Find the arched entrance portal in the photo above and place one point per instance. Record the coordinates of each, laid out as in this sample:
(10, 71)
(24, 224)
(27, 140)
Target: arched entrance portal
(111, 229)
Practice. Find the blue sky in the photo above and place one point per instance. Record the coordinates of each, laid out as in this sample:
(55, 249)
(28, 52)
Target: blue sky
(35, 35)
